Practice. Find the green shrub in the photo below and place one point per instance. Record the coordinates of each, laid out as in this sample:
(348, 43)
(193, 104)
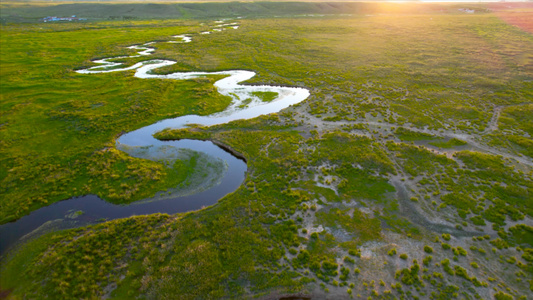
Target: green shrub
(461, 251)
(503, 296)
(348, 259)
(345, 272)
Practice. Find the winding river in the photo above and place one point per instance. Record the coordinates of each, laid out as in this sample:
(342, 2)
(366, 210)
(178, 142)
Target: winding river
(222, 172)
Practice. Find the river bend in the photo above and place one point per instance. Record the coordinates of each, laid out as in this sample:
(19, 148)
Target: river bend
(227, 171)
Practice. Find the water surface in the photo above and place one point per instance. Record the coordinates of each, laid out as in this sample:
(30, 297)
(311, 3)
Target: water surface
(226, 176)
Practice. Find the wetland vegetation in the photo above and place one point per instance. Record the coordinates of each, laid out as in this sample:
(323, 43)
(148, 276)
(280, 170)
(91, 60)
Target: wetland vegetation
(407, 173)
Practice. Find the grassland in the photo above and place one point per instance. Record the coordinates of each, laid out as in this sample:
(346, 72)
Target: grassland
(58, 127)
(22, 11)
(406, 174)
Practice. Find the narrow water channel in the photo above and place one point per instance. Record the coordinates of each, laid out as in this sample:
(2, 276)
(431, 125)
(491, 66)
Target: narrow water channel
(247, 103)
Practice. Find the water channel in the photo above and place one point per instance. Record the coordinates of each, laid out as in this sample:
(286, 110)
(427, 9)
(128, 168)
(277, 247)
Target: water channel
(226, 175)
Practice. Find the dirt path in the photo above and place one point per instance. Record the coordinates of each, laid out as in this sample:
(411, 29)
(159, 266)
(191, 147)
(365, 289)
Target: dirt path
(312, 121)
(493, 123)
(408, 209)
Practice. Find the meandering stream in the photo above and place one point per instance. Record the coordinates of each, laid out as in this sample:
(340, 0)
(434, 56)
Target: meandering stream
(225, 172)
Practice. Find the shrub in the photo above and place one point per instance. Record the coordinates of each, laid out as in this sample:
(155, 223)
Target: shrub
(345, 272)
(461, 272)
(303, 256)
(528, 254)
(330, 267)
(355, 252)
(348, 259)
(500, 244)
(502, 296)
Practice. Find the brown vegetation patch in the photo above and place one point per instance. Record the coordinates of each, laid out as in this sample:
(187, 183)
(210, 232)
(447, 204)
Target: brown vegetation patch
(516, 14)
(5, 293)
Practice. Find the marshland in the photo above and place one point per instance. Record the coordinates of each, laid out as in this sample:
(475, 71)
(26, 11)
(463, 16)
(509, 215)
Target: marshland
(406, 172)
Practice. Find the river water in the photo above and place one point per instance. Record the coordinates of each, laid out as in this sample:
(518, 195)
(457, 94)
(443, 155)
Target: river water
(227, 175)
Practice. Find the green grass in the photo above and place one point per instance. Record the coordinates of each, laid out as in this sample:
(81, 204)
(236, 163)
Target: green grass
(58, 124)
(449, 144)
(265, 96)
(364, 227)
(408, 135)
(374, 80)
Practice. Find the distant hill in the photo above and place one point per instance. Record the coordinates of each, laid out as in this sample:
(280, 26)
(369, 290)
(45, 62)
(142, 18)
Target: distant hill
(28, 11)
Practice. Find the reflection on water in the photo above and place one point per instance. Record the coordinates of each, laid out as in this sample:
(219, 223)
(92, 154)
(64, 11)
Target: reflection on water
(140, 143)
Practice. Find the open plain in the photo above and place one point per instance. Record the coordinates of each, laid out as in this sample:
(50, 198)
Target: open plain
(407, 171)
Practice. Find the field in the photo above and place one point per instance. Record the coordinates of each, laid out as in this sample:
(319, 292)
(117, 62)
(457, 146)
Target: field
(408, 172)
